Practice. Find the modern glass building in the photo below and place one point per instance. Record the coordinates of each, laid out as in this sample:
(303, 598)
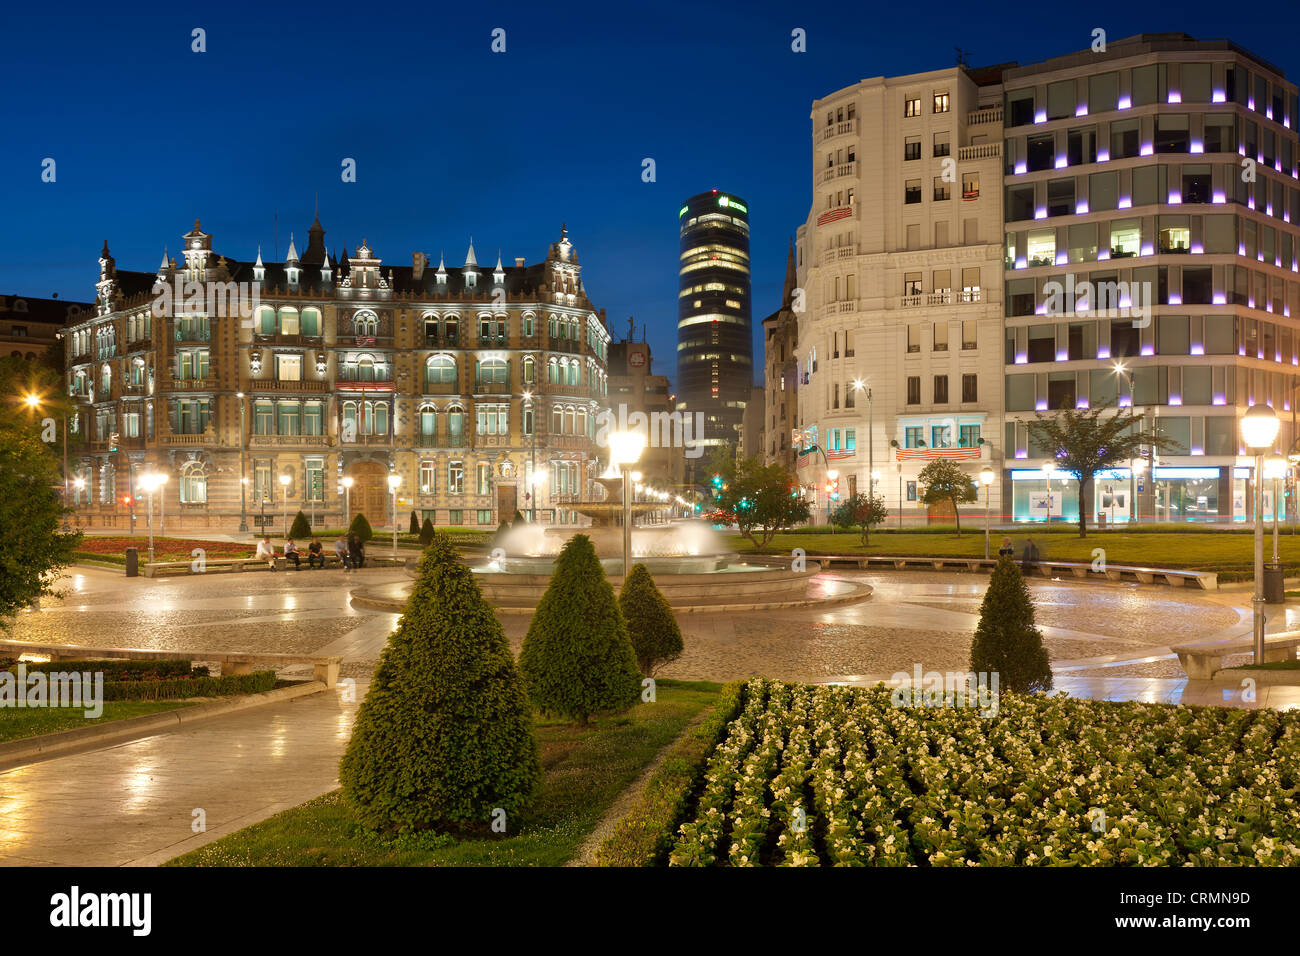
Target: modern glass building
(1152, 236)
(714, 344)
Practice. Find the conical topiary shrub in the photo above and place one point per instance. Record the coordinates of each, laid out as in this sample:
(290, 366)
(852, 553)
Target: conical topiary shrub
(577, 659)
(426, 533)
(445, 735)
(361, 528)
(1006, 641)
(415, 524)
(656, 638)
(301, 527)
(517, 519)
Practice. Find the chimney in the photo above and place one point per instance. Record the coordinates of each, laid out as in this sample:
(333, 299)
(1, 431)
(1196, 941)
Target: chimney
(519, 262)
(418, 261)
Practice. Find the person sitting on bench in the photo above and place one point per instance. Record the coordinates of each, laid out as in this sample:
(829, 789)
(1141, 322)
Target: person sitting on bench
(315, 555)
(266, 550)
(291, 554)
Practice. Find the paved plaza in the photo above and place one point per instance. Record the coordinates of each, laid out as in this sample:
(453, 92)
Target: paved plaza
(132, 803)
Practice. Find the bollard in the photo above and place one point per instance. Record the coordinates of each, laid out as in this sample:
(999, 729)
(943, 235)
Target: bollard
(1274, 586)
(132, 562)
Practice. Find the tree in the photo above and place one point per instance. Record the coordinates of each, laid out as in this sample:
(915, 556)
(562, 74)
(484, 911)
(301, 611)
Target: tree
(941, 481)
(301, 527)
(361, 528)
(577, 658)
(1006, 640)
(760, 499)
(1085, 441)
(415, 524)
(426, 533)
(517, 520)
(656, 638)
(445, 734)
(861, 511)
(33, 550)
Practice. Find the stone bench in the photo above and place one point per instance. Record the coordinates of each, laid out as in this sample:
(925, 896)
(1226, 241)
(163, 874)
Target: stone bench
(325, 669)
(1207, 580)
(1200, 661)
(156, 568)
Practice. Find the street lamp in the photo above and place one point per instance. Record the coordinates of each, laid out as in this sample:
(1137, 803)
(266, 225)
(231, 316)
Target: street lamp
(858, 386)
(162, 502)
(832, 475)
(33, 401)
(347, 501)
(284, 501)
(1275, 468)
(1135, 467)
(393, 481)
(1049, 469)
(986, 479)
(243, 481)
(624, 451)
(1258, 430)
(149, 481)
(532, 454)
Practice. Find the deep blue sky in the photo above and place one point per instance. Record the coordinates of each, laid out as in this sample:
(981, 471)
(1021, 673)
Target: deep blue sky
(451, 139)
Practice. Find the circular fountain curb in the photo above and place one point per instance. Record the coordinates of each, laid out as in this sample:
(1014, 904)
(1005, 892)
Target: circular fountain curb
(860, 592)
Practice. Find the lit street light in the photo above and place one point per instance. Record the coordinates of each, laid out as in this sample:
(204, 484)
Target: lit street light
(1258, 430)
(624, 451)
(149, 481)
(394, 480)
(347, 501)
(1049, 469)
(284, 501)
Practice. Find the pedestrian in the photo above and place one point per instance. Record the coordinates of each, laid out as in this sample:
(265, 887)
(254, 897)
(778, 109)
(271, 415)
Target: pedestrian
(1029, 557)
(265, 549)
(315, 554)
(1007, 548)
(341, 550)
(291, 554)
(356, 551)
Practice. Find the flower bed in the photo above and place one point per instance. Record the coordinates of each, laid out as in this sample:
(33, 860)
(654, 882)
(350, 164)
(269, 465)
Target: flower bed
(164, 549)
(809, 776)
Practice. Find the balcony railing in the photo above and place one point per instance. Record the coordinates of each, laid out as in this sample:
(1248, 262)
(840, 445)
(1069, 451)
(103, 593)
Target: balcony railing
(285, 385)
(946, 297)
(305, 440)
(368, 440)
(193, 334)
(282, 338)
(990, 114)
(492, 388)
(442, 388)
(492, 341)
(345, 384)
(201, 438)
(980, 151)
(188, 384)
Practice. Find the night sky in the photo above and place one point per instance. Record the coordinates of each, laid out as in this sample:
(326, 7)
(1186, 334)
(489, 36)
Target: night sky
(452, 139)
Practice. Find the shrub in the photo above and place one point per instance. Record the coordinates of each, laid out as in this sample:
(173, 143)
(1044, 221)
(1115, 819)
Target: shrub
(517, 519)
(415, 524)
(361, 528)
(646, 834)
(1006, 640)
(301, 527)
(178, 688)
(656, 638)
(426, 533)
(445, 735)
(577, 659)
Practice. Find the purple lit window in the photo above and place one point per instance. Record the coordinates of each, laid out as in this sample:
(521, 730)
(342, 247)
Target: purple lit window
(1081, 109)
(1146, 149)
(1103, 155)
(1197, 348)
(1040, 405)
(1198, 146)
(1220, 197)
(1219, 96)
(1081, 207)
(1125, 202)
(1125, 102)
(1175, 399)
(1175, 96)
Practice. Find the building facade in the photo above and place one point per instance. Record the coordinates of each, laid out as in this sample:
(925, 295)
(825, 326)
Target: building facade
(780, 407)
(1117, 227)
(304, 385)
(715, 363)
(1156, 184)
(30, 327)
(634, 388)
(899, 338)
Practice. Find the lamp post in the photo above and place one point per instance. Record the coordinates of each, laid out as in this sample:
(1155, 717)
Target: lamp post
(1134, 467)
(243, 481)
(858, 386)
(33, 401)
(149, 481)
(832, 476)
(986, 479)
(624, 451)
(394, 480)
(532, 456)
(162, 502)
(1258, 430)
(539, 478)
(1049, 469)
(347, 501)
(1275, 468)
(284, 501)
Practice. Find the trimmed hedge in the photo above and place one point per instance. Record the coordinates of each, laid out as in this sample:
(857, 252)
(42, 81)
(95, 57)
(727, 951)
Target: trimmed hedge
(113, 669)
(178, 688)
(647, 833)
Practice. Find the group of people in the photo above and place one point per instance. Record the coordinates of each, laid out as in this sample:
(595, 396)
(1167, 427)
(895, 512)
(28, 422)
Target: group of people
(348, 549)
(1029, 556)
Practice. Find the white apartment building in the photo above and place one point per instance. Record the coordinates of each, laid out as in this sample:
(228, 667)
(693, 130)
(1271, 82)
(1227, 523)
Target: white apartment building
(900, 262)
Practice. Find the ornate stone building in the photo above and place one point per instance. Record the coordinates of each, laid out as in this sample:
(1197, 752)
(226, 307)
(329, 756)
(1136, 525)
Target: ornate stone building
(457, 380)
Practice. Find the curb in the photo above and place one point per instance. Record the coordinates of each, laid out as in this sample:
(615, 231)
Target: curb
(1232, 677)
(49, 745)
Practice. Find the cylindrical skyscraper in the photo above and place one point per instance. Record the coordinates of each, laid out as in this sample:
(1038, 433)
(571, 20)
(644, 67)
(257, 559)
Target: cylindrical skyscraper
(715, 366)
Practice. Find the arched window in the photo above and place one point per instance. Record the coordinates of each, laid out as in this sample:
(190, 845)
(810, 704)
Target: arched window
(288, 320)
(430, 321)
(574, 375)
(350, 425)
(428, 418)
(440, 370)
(455, 425)
(569, 422)
(552, 372)
(530, 323)
(530, 365)
(493, 372)
(452, 330)
(365, 322)
(265, 320)
(557, 420)
(194, 484)
(581, 425)
(105, 381)
(365, 368)
(381, 418)
(311, 321)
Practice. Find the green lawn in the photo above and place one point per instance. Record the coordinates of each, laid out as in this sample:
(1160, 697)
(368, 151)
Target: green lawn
(584, 771)
(1209, 550)
(16, 724)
